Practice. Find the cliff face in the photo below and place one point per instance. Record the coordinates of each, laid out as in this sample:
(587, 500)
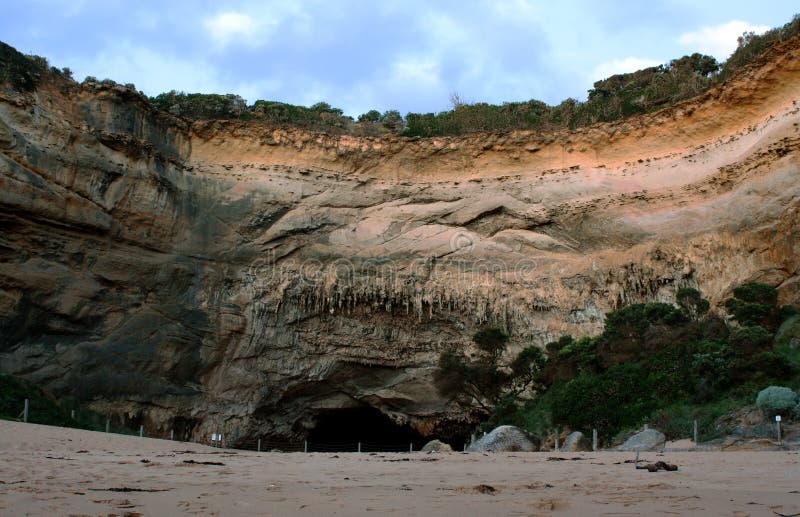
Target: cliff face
(228, 276)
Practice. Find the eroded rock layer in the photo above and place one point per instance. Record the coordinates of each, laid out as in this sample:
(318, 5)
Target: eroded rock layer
(225, 276)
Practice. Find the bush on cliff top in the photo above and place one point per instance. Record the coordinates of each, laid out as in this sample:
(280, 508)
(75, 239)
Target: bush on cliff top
(22, 72)
(613, 98)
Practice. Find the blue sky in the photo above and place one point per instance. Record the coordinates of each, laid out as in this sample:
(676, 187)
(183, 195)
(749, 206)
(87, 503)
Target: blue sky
(357, 55)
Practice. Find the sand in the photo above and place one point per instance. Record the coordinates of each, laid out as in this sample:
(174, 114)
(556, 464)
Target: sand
(55, 471)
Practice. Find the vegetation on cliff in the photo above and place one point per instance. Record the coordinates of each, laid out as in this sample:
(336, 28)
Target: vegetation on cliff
(45, 408)
(654, 362)
(613, 98)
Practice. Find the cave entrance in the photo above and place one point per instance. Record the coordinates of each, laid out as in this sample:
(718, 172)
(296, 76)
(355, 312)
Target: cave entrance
(341, 430)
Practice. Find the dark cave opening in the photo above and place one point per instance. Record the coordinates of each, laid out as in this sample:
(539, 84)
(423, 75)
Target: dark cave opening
(343, 429)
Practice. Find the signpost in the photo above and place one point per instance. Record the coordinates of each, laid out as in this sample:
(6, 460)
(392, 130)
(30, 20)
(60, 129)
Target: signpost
(778, 421)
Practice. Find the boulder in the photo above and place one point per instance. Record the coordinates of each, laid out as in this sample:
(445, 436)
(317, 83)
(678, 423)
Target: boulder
(576, 442)
(505, 438)
(436, 446)
(647, 440)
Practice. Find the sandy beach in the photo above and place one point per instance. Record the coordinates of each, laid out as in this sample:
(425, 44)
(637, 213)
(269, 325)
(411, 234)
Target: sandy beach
(55, 471)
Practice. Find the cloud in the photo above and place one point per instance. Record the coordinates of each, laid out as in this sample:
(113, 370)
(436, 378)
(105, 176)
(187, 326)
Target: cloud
(719, 40)
(621, 66)
(152, 71)
(227, 27)
(406, 77)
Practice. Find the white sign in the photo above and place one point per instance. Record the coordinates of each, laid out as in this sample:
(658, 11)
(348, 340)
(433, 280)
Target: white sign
(213, 437)
(777, 418)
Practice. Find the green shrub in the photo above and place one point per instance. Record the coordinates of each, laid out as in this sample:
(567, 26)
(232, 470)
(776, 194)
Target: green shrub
(677, 421)
(755, 292)
(692, 302)
(200, 105)
(776, 400)
(789, 332)
(491, 341)
(752, 45)
(634, 320)
(617, 398)
(711, 366)
(754, 305)
(749, 340)
(44, 408)
(21, 72)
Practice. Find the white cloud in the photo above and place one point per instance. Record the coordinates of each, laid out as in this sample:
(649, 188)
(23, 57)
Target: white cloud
(415, 70)
(621, 66)
(408, 76)
(227, 27)
(522, 12)
(153, 72)
(719, 40)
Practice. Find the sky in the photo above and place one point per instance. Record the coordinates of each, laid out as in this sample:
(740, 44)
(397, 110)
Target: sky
(357, 55)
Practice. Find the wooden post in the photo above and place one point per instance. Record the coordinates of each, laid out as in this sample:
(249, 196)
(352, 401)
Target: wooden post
(695, 433)
(556, 447)
(108, 424)
(172, 434)
(259, 445)
(141, 431)
(465, 447)
(26, 411)
(778, 421)
(594, 439)
(305, 445)
(72, 414)
(359, 446)
(411, 447)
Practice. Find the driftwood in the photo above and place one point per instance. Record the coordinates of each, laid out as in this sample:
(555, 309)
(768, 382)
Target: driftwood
(659, 465)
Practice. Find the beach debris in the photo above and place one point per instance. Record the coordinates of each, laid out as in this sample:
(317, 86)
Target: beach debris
(659, 465)
(486, 489)
(505, 438)
(538, 486)
(193, 462)
(786, 514)
(129, 489)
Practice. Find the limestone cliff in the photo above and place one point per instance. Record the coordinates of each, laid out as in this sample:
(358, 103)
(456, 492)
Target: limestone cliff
(223, 275)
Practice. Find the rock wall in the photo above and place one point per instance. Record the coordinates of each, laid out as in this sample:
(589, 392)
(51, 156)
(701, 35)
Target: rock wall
(226, 276)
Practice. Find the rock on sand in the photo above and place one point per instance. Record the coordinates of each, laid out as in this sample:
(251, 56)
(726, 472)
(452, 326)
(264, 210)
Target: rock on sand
(647, 440)
(576, 442)
(505, 438)
(436, 446)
